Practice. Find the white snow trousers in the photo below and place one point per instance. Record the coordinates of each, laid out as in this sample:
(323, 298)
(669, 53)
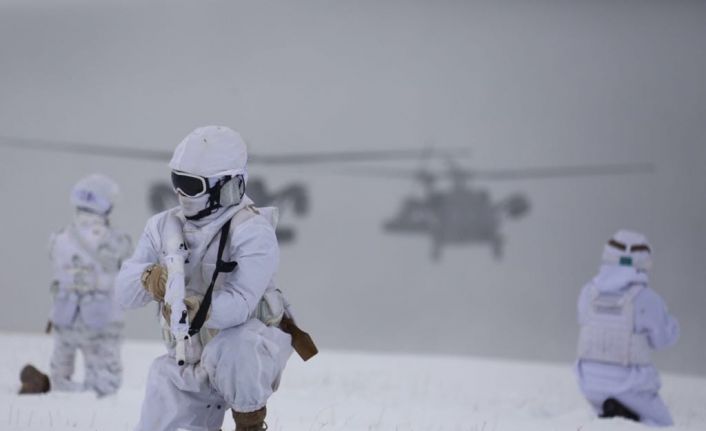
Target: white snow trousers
(240, 369)
(101, 355)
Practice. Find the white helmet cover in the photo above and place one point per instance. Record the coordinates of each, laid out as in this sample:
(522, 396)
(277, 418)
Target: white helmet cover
(628, 248)
(95, 193)
(211, 151)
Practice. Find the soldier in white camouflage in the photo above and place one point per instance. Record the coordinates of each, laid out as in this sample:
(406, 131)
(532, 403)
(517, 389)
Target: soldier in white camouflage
(623, 320)
(86, 257)
(215, 256)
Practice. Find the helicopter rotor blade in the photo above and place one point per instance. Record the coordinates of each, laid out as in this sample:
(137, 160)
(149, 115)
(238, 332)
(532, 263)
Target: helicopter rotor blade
(310, 158)
(389, 173)
(84, 148)
(510, 174)
(560, 172)
(305, 158)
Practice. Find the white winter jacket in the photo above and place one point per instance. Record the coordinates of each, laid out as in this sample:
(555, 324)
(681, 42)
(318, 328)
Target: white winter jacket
(236, 295)
(651, 318)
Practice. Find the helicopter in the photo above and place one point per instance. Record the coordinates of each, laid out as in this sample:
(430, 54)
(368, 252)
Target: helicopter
(464, 214)
(294, 196)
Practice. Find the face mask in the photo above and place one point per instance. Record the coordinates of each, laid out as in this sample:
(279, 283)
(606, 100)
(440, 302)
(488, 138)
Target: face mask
(92, 227)
(191, 206)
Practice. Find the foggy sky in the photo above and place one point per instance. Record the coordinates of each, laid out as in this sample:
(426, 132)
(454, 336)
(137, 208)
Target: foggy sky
(520, 83)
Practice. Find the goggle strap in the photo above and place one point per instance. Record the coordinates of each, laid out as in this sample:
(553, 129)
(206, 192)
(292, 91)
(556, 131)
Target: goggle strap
(214, 198)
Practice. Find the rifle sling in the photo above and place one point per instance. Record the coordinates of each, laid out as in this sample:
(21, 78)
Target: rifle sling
(221, 266)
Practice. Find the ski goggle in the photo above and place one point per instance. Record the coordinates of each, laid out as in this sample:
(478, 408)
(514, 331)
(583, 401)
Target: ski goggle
(635, 248)
(189, 185)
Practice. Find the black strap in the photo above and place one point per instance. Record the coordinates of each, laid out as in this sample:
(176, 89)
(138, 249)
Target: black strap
(221, 266)
(214, 199)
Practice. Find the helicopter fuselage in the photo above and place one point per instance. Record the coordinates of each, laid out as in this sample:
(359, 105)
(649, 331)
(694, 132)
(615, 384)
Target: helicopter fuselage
(456, 216)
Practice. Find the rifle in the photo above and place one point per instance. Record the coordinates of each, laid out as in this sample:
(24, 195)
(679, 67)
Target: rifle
(175, 256)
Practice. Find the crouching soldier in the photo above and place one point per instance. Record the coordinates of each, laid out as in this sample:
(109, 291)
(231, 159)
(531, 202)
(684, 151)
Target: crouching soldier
(86, 257)
(622, 320)
(210, 263)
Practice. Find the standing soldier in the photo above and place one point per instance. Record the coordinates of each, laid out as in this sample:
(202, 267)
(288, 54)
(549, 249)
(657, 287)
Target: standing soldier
(210, 263)
(86, 257)
(622, 320)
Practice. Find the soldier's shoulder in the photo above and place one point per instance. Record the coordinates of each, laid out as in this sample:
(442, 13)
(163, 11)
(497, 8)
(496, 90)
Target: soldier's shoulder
(255, 225)
(59, 241)
(59, 235)
(159, 218)
(255, 218)
(269, 214)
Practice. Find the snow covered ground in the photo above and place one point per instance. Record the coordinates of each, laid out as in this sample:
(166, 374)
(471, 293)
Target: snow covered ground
(353, 391)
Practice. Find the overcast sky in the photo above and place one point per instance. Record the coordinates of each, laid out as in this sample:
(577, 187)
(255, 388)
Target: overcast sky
(521, 84)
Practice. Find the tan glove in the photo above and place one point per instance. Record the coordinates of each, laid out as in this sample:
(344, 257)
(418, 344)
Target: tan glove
(192, 306)
(154, 280)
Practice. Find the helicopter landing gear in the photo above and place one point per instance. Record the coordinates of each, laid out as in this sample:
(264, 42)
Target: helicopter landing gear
(285, 234)
(436, 252)
(497, 246)
(436, 246)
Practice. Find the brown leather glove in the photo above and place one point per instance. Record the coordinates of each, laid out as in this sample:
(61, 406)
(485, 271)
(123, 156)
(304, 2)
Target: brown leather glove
(154, 280)
(192, 306)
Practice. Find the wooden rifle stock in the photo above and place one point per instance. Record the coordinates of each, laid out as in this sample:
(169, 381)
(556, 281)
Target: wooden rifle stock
(301, 341)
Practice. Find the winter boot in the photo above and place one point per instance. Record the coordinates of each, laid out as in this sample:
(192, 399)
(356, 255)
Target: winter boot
(613, 408)
(251, 421)
(33, 381)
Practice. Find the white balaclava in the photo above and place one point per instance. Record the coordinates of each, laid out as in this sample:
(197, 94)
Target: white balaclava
(219, 156)
(93, 197)
(629, 249)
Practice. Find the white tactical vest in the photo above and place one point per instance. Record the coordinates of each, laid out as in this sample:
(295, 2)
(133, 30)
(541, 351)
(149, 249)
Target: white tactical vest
(608, 333)
(84, 276)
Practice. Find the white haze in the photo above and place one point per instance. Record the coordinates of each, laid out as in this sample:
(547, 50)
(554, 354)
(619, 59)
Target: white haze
(521, 84)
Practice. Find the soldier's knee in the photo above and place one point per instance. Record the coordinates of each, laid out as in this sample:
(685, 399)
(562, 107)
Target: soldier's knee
(232, 341)
(244, 351)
